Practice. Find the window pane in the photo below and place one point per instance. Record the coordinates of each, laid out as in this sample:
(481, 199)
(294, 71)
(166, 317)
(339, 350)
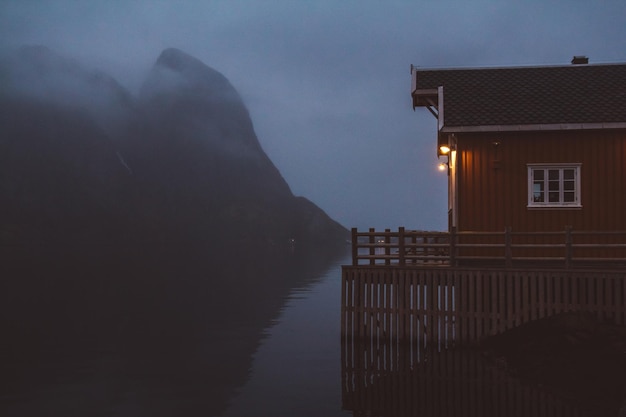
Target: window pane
(538, 192)
(568, 197)
(553, 196)
(538, 174)
(568, 174)
(568, 185)
(553, 174)
(553, 186)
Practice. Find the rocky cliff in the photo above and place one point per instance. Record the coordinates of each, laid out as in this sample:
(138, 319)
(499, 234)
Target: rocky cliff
(83, 161)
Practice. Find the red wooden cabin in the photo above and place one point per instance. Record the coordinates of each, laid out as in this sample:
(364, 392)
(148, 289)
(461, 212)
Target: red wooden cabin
(538, 151)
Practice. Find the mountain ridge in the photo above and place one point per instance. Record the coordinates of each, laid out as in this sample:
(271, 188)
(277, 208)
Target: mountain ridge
(85, 160)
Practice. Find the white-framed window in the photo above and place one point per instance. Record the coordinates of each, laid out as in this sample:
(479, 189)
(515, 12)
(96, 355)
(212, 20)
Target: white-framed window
(554, 185)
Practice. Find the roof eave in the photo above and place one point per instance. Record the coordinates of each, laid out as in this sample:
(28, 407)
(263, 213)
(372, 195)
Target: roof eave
(424, 98)
(533, 127)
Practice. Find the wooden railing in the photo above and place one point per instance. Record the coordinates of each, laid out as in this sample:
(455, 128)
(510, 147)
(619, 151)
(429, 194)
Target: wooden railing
(506, 248)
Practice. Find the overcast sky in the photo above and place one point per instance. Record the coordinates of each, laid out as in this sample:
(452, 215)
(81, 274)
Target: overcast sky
(327, 82)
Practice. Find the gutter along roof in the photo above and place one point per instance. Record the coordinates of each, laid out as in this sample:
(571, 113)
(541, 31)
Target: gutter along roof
(524, 98)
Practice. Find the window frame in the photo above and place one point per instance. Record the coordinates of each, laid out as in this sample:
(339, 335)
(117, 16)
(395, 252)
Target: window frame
(561, 203)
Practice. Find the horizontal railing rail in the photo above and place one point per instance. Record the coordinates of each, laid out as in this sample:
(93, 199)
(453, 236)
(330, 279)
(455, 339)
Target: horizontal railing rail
(416, 247)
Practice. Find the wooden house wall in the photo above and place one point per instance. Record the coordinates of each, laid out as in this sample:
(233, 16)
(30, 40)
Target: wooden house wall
(493, 180)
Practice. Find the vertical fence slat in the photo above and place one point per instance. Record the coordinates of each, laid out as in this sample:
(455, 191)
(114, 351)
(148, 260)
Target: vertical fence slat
(541, 294)
(471, 306)
(533, 295)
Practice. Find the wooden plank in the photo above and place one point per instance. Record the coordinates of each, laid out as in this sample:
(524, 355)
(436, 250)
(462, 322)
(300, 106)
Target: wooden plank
(429, 308)
(388, 321)
(482, 302)
(502, 307)
(350, 303)
(392, 311)
(532, 277)
(486, 304)
(441, 307)
(465, 295)
(419, 296)
(368, 306)
(609, 289)
(449, 316)
(570, 284)
(510, 301)
(375, 313)
(356, 308)
(406, 290)
(388, 306)
(494, 308)
(591, 288)
(623, 301)
(471, 306)
(541, 294)
(525, 298)
(413, 290)
(558, 294)
(456, 306)
(574, 278)
(519, 311)
(549, 295)
(344, 291)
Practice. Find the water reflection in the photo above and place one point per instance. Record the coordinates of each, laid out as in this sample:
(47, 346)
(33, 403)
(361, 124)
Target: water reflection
(159, 332)
(295, 370)
(385, 380)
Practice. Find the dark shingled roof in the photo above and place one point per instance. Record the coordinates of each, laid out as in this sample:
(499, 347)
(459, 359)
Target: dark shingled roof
(572, 94)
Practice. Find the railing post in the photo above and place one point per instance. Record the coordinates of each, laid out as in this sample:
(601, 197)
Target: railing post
(372, 248)
(413, 249)
(355, 248)
(387, 248)
(401, 250)
(568, 246)
(453, 249)
(508, 254)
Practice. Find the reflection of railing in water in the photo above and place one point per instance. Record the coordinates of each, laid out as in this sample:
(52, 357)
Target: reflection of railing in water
(428, 307)
(386, 378)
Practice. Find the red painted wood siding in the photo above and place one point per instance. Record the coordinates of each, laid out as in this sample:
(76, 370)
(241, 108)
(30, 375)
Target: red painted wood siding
(493, 180)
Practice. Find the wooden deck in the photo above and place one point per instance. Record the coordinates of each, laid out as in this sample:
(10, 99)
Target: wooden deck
(431, 306)
(405, 330)
(430, 288)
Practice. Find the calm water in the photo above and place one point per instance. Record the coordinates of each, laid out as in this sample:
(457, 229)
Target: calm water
(168, 333)
(191, 335)
(297, 369)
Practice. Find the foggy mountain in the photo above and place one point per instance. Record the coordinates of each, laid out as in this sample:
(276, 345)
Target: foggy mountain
(82, 161)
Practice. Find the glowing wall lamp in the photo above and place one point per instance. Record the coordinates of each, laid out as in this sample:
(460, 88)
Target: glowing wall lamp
(446, 147)
(444, 150)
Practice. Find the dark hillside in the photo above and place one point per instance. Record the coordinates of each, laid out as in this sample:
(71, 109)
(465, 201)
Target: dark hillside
(82, 160)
